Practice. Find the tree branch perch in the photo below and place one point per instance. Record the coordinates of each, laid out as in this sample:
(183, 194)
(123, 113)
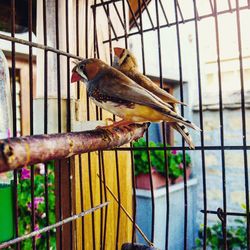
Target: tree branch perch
(28, 150)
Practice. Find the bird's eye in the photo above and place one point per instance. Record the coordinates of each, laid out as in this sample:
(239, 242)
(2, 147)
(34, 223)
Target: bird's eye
(81, 67)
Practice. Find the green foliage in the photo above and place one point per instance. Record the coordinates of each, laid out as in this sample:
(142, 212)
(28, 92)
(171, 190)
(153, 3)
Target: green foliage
(24, 206)
(157, 159)
(236, 236)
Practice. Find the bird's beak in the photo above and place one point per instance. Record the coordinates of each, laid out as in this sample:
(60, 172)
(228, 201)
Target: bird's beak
(118, 52)
(75, 77)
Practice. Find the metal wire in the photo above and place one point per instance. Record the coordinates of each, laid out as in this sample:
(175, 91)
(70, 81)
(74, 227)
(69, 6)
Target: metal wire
(204, 183)
(155, 26)
(187, 20)
(243, 114)
(46, 194)
(13, 74)
(182, 113)
(163, 124)
(147, 134)
(224, 221)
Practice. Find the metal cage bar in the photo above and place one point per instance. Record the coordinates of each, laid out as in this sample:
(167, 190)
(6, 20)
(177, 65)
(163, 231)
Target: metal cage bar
(115, 35)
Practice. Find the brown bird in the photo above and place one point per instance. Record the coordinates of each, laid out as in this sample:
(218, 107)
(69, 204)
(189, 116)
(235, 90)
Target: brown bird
(126, 62)
(113, 91)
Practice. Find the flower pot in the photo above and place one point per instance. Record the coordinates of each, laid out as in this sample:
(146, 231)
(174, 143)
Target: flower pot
(143, 180)
(181, 178)
(6, 212)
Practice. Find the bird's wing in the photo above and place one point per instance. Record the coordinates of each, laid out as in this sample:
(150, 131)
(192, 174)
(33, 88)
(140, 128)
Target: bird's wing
(145, 82)
(115, 84)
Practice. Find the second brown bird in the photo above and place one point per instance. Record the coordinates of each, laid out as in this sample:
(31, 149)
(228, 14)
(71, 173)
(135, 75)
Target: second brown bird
(126, 62)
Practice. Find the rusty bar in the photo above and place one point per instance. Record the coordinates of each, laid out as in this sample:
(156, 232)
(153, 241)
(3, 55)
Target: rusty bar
(39, 46)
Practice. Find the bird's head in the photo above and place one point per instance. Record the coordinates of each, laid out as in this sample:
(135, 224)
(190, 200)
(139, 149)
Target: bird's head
(86, 70)
(125, 59)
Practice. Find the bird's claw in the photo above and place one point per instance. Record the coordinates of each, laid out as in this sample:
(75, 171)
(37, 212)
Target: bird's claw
(107, 120)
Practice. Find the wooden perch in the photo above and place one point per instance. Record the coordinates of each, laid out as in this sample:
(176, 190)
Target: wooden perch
(22, 151)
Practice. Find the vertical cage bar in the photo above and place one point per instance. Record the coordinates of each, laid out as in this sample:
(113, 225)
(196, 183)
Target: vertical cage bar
(86, 28)
(59, 118)
(179, 9)
(224, 217)
(147, 134)
(46, 194)
(13, 73)
(91, 201)
(69, 120)
(182, 113)
(30, 66)
(243, 115)
(32, 174)
(229, 5)
(204, 183)
(134, 196)
(88, 118)
(79, 156)
(116, 153)
(125, 24)
(163, 124)
(100, 154)
(119, 200)
(33, 216)
(133, 238)
(81, 194)
(77, 42)
(105, 198)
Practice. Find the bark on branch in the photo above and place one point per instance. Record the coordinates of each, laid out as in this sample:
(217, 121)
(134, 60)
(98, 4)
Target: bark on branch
(28, 150)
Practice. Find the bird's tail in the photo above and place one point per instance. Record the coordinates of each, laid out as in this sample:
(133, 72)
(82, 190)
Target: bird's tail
(178, 118)
(184, 132)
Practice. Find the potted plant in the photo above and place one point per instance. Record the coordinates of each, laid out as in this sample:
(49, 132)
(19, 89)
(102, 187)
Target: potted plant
(158, 169)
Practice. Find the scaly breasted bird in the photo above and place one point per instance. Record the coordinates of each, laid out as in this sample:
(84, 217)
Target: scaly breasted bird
(113, 91)
(126, 62)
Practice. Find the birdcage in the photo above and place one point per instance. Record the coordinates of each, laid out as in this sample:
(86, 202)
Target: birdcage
(68, 185)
